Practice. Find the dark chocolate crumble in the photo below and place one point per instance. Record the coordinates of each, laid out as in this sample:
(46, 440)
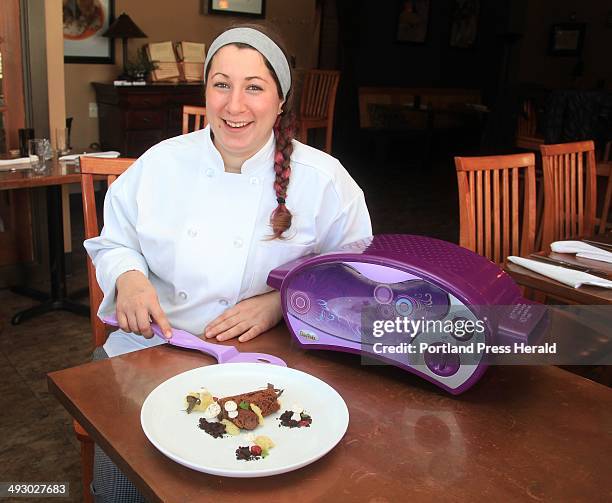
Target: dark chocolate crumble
(285, 420)
(244, 454)
(216, 430)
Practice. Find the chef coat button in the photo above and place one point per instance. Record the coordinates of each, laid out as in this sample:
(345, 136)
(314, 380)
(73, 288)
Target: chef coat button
(182, 295)
(223, 302)
(210, 172)
(192, 233)
(238, 243)
(254, 180)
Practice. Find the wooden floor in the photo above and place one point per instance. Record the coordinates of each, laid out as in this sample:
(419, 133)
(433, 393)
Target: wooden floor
(37, 443)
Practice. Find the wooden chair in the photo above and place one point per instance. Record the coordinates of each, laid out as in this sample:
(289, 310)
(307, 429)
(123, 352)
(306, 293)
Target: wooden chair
(317, 104)
(570, 191)
(94, 167)
(526, 127)
(528, 138)
(604, 169)
(194, 118)
(497, 204)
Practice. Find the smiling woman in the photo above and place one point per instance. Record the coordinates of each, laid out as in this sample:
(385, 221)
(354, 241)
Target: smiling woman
(193, 228)
(266, 78)
(242, 103)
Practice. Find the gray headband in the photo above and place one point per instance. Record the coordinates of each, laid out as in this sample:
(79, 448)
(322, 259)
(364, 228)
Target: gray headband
(260, 42)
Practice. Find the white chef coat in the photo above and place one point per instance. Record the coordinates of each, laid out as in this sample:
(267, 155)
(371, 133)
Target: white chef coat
(200, 234)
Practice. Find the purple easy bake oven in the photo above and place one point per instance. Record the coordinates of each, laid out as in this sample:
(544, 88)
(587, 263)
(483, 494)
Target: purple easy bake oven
(335, 300)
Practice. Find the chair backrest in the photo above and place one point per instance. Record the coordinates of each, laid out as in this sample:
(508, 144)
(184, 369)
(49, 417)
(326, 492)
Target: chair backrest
(497, 204)
(194, 118)
(604, 169)
(526, 123)
(319, 94)
(527, 135)
(94, 168)
(570, 190)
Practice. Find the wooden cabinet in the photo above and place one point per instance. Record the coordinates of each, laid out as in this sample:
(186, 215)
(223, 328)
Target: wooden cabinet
(134, 118)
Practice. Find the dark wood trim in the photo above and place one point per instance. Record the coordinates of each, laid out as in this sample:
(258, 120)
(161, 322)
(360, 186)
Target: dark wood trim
(16, 240)
(10, 43)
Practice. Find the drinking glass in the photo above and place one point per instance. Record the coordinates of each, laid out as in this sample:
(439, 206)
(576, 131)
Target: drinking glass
(61, 141)
(37, 151)
(25, 135)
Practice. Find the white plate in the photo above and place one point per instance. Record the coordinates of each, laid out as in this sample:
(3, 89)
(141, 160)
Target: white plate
(177, 435)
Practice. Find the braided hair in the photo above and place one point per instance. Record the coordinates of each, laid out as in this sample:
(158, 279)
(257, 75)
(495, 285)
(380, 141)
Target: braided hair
(284, 130)
(280, 219)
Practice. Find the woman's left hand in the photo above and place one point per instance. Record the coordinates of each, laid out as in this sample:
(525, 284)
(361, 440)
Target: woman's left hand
(247, 319)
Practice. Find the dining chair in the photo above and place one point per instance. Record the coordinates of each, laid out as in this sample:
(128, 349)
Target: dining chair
(194, 118)
(527, 136)
(497, 204)
(570, 191)
(93, 168)
(317, 104)
(604, 169)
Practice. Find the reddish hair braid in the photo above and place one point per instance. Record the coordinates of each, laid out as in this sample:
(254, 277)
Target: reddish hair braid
(280, 219)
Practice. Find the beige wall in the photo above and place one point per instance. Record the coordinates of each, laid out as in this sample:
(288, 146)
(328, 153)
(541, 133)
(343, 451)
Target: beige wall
(179, 20)
(55, 80)
(556, 72)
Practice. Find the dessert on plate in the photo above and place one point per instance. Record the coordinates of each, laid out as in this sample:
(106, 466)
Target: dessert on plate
(245, 411)
(230, 415)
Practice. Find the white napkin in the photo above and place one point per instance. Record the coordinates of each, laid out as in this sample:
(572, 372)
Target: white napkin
(568, 277)
(583, 250)
(19, 160)
(111, 154)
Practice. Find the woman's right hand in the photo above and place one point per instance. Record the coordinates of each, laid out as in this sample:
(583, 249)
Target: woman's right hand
(137, 305)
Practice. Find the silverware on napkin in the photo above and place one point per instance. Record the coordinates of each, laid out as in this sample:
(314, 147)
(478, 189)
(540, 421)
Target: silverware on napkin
(570, 265)
(565, 275)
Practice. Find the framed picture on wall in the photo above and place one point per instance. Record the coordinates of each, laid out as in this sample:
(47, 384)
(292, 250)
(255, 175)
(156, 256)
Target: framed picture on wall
(249, 8)
(84, 23)
(566, 39)
(464, 23)
(412, 21)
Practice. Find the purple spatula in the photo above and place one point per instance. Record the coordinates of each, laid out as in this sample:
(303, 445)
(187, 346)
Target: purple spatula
(223, 354)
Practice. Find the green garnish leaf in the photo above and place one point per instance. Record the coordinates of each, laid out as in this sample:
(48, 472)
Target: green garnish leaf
(244, 405)
(264, 453)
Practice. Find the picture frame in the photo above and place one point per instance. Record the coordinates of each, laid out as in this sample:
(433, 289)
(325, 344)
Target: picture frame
(464, 24)
(412, 21)
(246, 8)
(83, 40)
(566, 39)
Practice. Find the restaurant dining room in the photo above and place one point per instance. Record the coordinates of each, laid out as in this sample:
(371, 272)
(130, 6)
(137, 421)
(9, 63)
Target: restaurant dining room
(317, 250)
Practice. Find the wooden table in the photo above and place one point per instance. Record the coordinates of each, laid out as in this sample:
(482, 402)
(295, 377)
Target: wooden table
(587, 295)
(522, 433)
(56, 175)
